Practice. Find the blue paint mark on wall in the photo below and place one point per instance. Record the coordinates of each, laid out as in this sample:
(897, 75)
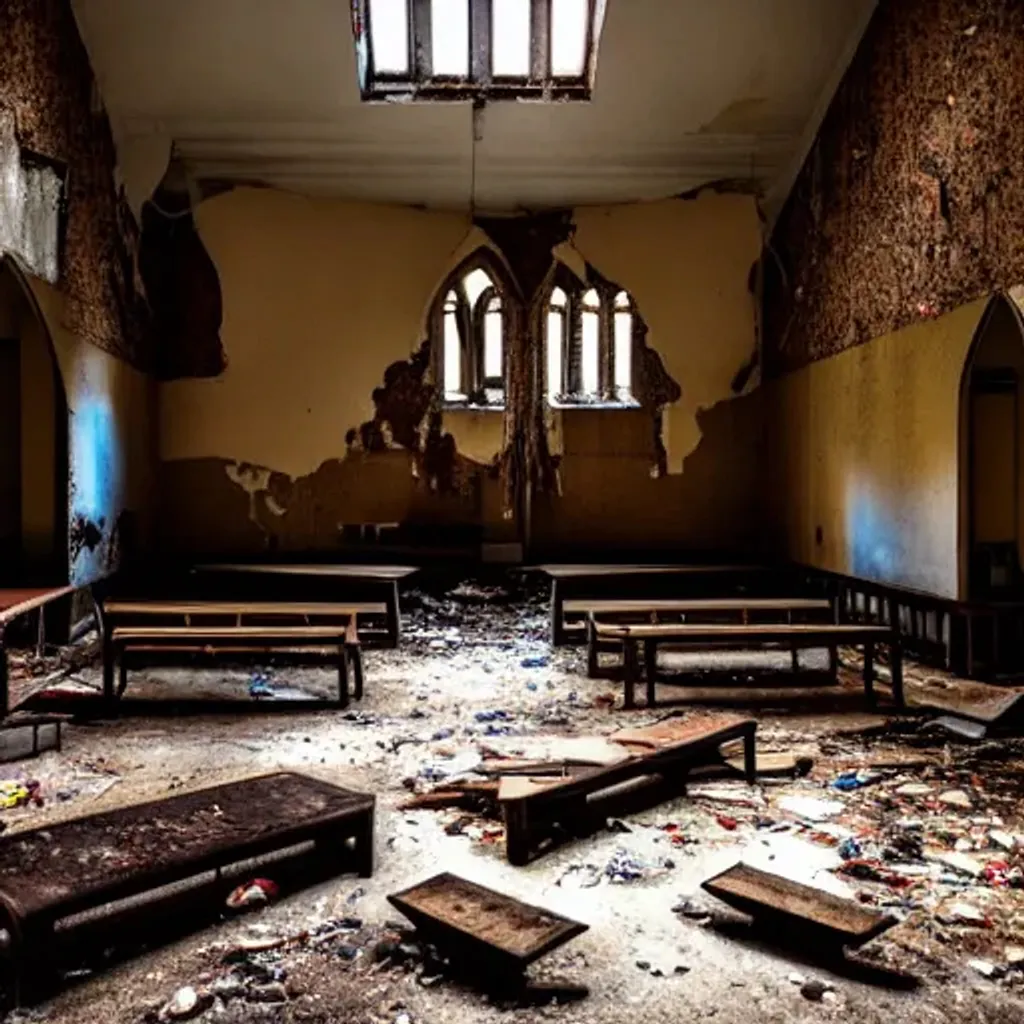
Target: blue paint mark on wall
(97, 474)
(873, 550)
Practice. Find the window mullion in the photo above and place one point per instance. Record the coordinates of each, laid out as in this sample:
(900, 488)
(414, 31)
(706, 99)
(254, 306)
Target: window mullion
(573, 357)
(480, 41)
(540, 42)
(422, 63)
(606, 344)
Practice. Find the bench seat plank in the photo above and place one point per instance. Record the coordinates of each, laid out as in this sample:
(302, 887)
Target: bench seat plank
(216, 607)
(586, 606)
(125, 633)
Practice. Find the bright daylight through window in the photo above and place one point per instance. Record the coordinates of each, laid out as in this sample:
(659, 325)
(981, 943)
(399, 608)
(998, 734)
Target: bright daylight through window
(494, 49)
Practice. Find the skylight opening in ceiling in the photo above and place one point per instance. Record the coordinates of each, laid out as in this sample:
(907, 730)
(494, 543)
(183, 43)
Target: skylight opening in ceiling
(480, 49)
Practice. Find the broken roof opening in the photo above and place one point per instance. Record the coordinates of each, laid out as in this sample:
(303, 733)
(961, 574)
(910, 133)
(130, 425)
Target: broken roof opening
(479, 49)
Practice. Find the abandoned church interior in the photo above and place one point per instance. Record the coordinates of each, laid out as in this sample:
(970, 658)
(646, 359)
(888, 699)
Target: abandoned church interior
(511, 510)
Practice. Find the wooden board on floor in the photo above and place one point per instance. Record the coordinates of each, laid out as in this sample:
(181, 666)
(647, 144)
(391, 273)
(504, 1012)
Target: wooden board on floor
(797, 907)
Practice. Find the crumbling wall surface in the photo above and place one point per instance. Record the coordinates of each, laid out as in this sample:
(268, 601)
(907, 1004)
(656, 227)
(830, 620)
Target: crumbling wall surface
(47, 82)
(911, 202)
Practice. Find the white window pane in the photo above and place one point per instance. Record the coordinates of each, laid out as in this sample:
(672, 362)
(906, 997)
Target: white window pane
(558, 298)
(476, 282)
(622, 301)
(568, 37)
(452, 356)
(555, 322)
(389, 36)
(591, 300)
(590, 374)
(492, 344)
(510, 34)
(624, 352)
(449, 37)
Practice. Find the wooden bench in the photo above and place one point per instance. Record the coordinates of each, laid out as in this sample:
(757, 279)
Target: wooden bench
(330, 582)
(123, 869)
(534, 809)
(230, 628)
(14, 604)
(656, 610)
(705, 637)
(620, 582)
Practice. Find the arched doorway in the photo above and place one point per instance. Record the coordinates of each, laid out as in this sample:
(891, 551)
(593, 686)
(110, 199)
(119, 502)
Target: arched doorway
(992, 457)
(33, 442)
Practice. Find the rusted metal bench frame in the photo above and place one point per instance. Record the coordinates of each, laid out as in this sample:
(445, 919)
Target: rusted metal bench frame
(31, 928)
(565, 803)
(743, 638)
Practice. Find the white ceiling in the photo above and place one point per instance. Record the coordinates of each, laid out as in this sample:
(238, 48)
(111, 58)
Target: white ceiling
(687, 91)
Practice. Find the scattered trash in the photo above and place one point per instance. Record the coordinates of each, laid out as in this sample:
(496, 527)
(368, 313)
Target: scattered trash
(964, 913)
(538, 661)
(810, 808)
(252, 894)
(16, 794)
(629, 867)
(729, 824)
(185, 1004)
(956, 798)
(849, 849)
(261, 687)
(814, 990)
(985, 968)
(855, 779)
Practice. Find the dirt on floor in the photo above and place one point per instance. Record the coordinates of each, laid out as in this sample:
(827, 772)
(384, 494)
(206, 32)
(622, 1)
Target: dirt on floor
(901, 818)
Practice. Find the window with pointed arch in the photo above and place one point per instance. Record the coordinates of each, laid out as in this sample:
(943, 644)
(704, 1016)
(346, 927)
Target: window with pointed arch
(591, 334)
(469, 335)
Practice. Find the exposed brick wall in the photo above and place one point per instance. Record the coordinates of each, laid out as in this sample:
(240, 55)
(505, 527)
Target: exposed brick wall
(911, 201)
(47, 82)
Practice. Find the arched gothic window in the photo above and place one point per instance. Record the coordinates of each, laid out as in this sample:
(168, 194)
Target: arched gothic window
(590, 335)
(469, 335)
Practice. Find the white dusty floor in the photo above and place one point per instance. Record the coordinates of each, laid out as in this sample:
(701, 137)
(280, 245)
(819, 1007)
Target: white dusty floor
(457, 662)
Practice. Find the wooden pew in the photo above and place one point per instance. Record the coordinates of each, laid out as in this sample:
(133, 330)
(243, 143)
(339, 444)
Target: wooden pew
(710, 637)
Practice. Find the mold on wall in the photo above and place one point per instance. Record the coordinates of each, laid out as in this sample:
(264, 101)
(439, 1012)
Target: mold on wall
(863, 456)
(909, 204)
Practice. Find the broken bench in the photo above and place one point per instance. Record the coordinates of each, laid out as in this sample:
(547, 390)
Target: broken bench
(708, 637)
(102, 867)
(660, 757)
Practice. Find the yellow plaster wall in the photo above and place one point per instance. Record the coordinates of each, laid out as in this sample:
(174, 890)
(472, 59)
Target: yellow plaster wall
(865, 446)
(687, 263)
(320, 297)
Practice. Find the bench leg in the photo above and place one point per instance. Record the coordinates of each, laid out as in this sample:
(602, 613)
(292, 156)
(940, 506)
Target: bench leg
(794, 654)
(592, 666)
(4, 696)
(833, 662)
(869, 672)
(628, 675)
(364, 847)
(343, 676)
(750, 757)
(517, 832)
(109, 654)
(556, 615)
(355, 657)
(651, 669)
(896, 667)
(122, 673)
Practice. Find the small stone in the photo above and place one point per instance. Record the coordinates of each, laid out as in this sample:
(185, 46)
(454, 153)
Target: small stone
(185, 1004)
(644, 965)
(1002, 840)
(829, 997)
(813, 990)
(431, 981)
(984, 968)
(797, 979)
(1014, 955)
(275, 992)
(681, 969)
(914, 789)
(956, 798)
(964, 913)
(347, 952)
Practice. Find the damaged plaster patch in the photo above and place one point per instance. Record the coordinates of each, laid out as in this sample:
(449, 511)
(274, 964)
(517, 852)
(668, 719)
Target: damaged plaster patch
(254, 480)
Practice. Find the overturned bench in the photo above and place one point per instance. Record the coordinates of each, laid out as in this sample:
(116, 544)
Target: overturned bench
(141, 632)
(708, 637)
(655, 767)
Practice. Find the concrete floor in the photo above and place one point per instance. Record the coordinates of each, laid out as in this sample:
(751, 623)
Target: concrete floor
(456, 661)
